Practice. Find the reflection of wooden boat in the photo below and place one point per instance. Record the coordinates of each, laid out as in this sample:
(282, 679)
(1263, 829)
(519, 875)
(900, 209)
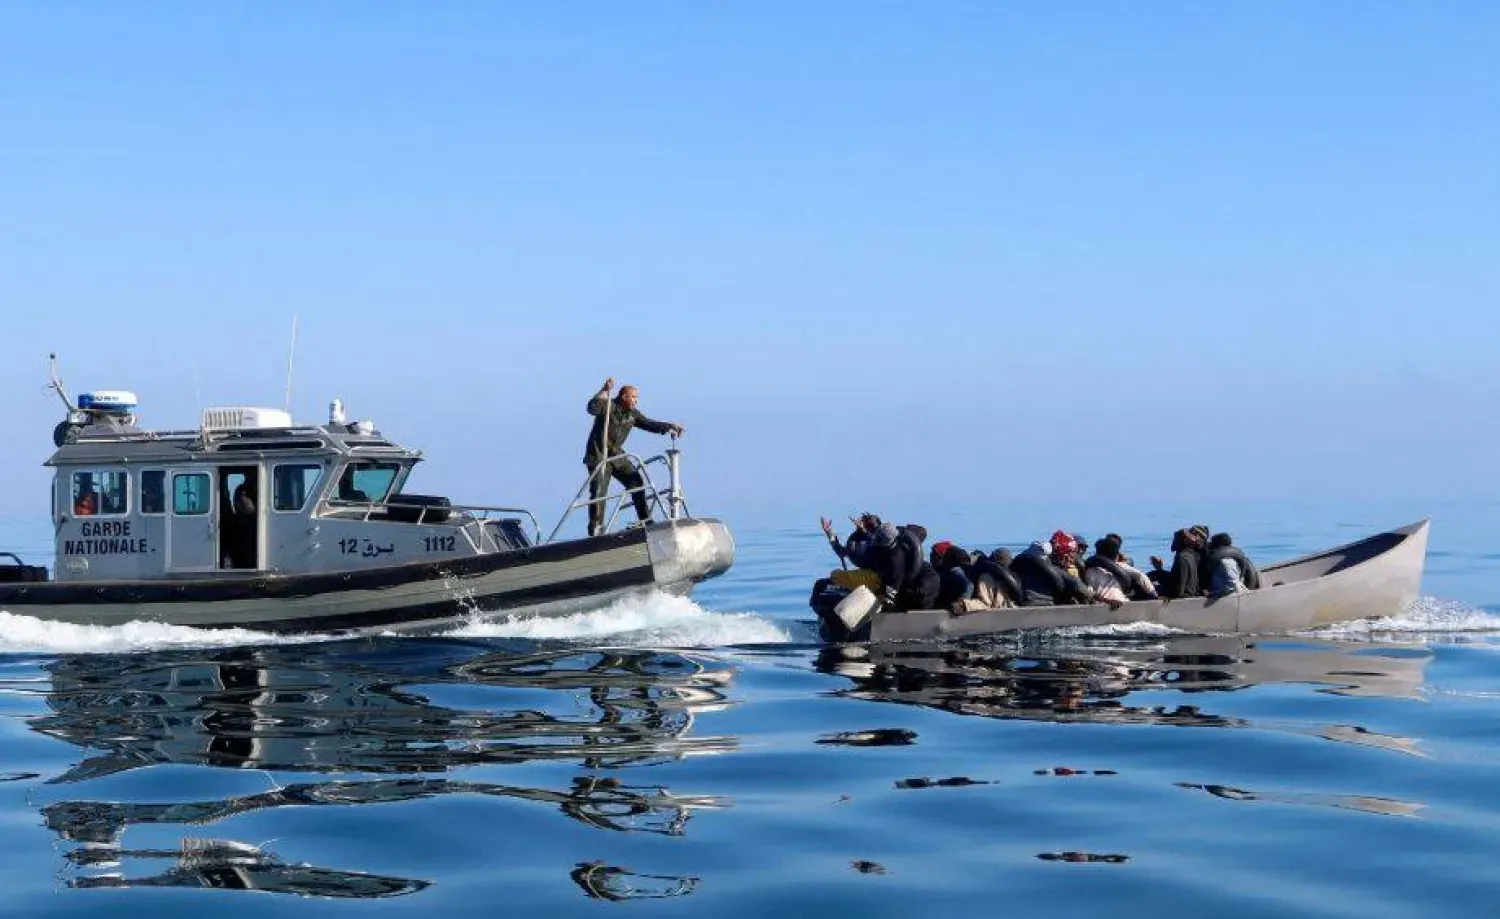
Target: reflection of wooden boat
(1092, 682)
(1376, 576)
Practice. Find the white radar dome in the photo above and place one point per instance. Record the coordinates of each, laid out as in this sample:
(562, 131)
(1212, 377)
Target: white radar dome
(108, 402)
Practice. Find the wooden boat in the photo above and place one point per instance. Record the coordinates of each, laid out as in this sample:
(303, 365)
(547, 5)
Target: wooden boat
(1379, 575)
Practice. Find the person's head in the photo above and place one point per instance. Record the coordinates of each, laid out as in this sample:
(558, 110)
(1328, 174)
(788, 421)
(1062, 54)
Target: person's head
(1220, 541)
(939, 549)
(918, 531)
(886, 534)
(1001, 556)
(958, 558)
(629, 396)
(869, 522)
(1108, 547)
(1062, 545)
(1181, 540)
(1116, 537)
(1200, 532)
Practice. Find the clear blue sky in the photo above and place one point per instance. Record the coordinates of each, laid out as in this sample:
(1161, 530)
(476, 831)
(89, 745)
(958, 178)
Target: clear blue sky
(859, 249)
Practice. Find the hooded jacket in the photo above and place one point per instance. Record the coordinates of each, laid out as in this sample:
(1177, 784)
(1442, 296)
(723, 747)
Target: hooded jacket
(1183, 580)
(1249, 574)
(909, 580)
(1042, 583)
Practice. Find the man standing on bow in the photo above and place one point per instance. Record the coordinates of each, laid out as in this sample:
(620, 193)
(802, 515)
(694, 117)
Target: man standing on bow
(613, 421)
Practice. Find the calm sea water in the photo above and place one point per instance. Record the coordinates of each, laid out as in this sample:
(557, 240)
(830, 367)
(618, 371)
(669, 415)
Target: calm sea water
(683, 756)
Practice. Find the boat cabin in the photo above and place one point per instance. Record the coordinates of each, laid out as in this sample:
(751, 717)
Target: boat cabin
(247, 491)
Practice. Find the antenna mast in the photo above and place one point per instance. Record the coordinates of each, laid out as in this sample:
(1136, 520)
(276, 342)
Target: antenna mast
(57, 383)
(290, 358)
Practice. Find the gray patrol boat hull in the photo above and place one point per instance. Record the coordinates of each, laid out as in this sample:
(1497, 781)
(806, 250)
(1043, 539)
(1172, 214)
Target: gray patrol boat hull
(553, 579)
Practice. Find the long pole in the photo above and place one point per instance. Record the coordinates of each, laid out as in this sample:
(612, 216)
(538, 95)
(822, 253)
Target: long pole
(604, 432)
(604, 459)
(291, 356)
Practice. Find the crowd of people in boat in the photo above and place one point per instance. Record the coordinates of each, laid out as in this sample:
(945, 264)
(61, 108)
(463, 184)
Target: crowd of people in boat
(891, 562)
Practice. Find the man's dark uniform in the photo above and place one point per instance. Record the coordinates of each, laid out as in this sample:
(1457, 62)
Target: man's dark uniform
(621, 421)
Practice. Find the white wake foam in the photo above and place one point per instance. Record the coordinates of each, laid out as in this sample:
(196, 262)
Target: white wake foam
(1116, 630)
(655, 620)
(1427, 616)
(26, 635)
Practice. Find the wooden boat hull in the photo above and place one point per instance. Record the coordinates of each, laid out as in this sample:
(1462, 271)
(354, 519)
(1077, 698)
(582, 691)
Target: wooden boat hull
(555, 579)
(1377, 576)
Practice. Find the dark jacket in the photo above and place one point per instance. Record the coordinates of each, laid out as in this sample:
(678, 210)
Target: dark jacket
(1248, 572)
(621, 421)
(909, 581)
(1182, 580)
(954, 584)
(857, 548)
(1045, 584)
(1005, 579)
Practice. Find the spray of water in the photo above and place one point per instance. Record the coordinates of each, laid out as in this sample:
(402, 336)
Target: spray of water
(1428, 616)
(23, 634)
(655, 620)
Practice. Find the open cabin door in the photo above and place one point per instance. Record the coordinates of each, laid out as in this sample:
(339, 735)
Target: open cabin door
(242, 517)
(192, 524)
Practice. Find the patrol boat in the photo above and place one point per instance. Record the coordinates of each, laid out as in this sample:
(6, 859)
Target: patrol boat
(253, 521)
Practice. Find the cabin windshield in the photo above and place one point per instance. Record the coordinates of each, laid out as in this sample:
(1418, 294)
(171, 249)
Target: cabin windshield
(100, 492)
(366, 482)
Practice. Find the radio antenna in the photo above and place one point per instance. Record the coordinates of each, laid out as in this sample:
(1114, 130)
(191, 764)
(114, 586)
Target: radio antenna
(291, 356)
(57, 383)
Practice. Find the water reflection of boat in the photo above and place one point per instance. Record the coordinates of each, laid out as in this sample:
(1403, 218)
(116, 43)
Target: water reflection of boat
(221, 865)
(368, 708)
(609, 882)
(309, 709)
(1089, 681)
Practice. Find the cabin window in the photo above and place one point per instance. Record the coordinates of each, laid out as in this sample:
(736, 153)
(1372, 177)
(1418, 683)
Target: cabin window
(192, 493)
(100, 493)
(294, 482)
(153, 491)
(366, 482)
